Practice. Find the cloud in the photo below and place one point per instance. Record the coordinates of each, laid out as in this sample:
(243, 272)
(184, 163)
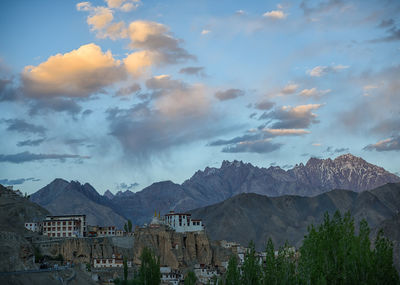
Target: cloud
(30, 142)
(256, 146)
(321, 6)
(264, 105)
(229, 94)
(378, 114)
(155, 37)
(313, 92)
(17, 181)
(28, 156)
(275, 14)
(316, 144)
(100, 18)
(393, 34)
(78, 73)
(289, 89)
(240, 12)
(123, 5)
(205, 32)
(193, 70)
(125, 186)
(386, 23)
(44, 105)
(176, 114)
(21, 126)
(288, 117)
(319, 71)
(286, 132)
(333, 151)
(84, 6)
(126, 91)
(390, 144)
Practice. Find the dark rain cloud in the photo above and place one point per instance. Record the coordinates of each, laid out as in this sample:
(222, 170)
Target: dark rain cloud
(28, 156)
(21, 126)
(31, 142)
(229, 94)
(264, 105)
(193, 70)
(17, 181)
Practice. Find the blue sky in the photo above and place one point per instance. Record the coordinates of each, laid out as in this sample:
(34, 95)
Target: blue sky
(123, 93)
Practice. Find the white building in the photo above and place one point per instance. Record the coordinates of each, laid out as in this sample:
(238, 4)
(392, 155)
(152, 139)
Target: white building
(64, 226)
(204, 273)
(182, 222)
(106, 231)
(34, 227)
(169, 276)
(115, 261)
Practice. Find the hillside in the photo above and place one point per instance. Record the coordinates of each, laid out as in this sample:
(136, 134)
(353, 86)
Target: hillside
(255, 217)
(15, 251)
(61, 197)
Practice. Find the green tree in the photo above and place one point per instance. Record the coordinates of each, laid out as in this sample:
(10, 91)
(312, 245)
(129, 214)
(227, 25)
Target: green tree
(251, 269)
(149, 272)
(232, 273)
(125, 227)
(270, 273)
(383, 261)
(129, 226)
(125, 264)
(190, 278)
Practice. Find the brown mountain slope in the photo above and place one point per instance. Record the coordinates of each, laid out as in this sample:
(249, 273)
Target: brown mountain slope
(255, 217)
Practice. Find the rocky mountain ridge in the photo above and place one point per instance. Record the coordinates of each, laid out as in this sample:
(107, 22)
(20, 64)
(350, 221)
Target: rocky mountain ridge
(213, 185)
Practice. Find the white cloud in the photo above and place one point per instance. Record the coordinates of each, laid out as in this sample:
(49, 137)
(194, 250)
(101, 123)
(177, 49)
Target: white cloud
(286, 132)
(319, 71)
(289, 88)
(313, 92)
(275, 14)
(205, 32)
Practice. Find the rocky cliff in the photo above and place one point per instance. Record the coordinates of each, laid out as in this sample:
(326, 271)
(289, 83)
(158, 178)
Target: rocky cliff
(178, 250)
(82, 250)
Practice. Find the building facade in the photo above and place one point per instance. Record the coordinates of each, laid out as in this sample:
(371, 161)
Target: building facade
(115, 261)
(34, 227)
(64, 226)
(182, 222)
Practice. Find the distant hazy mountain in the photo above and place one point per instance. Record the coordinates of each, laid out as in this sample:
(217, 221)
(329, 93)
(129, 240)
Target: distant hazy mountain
(213, 185)
(255, 217)
(62, 197)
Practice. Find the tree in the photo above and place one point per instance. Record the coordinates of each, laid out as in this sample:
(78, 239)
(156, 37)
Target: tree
(251, 269)
(125, 227)
(270, 274)
(149, 272)
(190, 278)
(383, 261)
(129, 226)
(125, 263)
(232, 273)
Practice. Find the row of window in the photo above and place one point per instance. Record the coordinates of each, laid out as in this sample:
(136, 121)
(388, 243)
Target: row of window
(59, 229)
(59, 235)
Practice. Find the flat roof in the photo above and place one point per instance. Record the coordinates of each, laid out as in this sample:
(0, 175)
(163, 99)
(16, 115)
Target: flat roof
(60, 216)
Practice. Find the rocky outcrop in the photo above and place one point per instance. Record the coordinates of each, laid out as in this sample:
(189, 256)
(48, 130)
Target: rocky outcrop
(82, 250)
(177, 250)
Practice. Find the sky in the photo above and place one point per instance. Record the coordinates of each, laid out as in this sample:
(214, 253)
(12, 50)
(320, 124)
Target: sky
(124, 93)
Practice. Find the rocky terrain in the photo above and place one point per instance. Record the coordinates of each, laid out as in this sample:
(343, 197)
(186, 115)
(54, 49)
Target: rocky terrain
(255, 217)
(179, 250)
(61, 198)
(15, 251)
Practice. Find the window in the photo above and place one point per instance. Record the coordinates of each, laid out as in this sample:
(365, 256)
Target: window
(49, 234)
(53, 234)
(69, 228)
(63, 223)
(64, 234)
(69, 234)
(58, 234)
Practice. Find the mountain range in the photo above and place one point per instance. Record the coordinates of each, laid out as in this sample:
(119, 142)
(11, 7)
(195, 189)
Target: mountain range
(250, 216)
(210, 186)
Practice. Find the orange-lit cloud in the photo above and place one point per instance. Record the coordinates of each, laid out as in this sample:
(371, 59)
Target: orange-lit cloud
(78, 73)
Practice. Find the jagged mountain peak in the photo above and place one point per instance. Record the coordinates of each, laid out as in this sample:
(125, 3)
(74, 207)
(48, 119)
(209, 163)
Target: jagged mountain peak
(108, 194)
